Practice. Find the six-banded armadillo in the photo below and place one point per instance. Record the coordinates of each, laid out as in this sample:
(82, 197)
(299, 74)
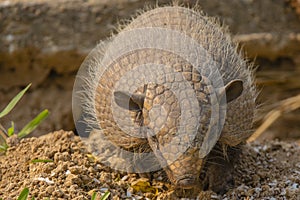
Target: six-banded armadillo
(170, 84)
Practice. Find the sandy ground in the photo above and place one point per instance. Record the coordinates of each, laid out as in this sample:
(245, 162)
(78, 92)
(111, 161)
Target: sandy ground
(269, 170)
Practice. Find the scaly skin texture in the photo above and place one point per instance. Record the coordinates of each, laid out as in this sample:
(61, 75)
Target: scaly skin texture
(155, 105)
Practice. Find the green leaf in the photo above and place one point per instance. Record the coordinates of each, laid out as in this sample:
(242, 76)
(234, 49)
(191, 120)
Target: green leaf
(105, 196)
(3, 138)
(94, 196)
(11, 130)
(41, 160)
(33, 123)
(3, 147)
(24, 194)
(3, 131)
(13, 102)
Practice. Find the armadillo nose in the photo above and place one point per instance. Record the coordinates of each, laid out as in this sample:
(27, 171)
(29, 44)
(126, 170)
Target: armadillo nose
(186, 183)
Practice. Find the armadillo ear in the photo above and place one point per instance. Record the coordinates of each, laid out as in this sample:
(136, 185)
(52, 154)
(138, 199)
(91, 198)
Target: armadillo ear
(133, 102)
(233, 89)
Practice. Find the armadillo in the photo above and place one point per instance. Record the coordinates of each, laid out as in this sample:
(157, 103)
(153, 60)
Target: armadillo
(171, 84)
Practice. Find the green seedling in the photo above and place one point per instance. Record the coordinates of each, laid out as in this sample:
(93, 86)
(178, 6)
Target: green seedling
(94, 196)
(28, 128)
(13, 102)
(24, 194)
(33, 124)
(104, 197)
(41, 160)
(11, 130)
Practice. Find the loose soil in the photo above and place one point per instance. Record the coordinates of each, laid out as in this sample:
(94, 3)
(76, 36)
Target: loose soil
(269, 170)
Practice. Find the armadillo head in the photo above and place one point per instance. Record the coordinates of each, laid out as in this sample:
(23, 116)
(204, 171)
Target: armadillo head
(178, 125)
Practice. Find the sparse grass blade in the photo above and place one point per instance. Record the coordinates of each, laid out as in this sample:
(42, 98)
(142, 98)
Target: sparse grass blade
(13, 102)
(94, 196)
(41, 160)
(24, 194)
(33, 123)
(2, 129)
(3, 147)
(3, 138)
(105, 196)
(11, 130)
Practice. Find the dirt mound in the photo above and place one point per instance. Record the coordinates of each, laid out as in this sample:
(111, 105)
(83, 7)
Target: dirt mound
(44, 42)
(263, 171)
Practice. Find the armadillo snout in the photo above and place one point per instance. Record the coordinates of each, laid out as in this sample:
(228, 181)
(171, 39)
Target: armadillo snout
(187, 182)
(185, 171)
